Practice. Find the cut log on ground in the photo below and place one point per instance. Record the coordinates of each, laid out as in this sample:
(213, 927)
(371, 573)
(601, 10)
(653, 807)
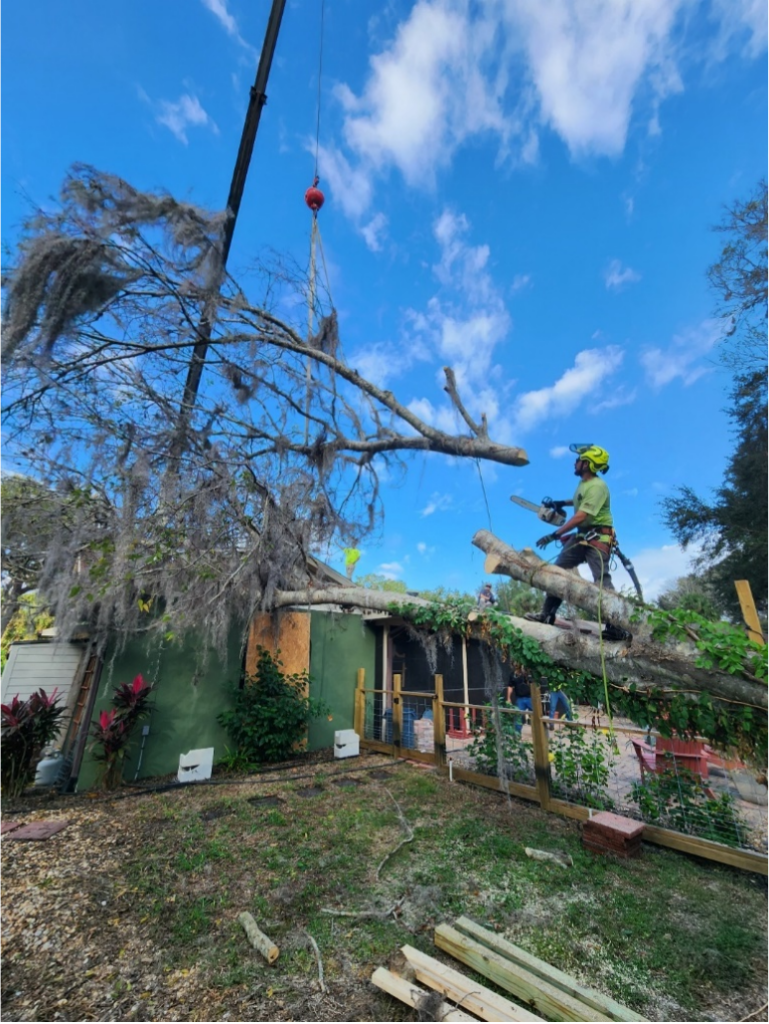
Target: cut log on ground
(258, 939)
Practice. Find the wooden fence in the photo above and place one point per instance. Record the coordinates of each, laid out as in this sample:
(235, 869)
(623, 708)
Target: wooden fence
(384, 722)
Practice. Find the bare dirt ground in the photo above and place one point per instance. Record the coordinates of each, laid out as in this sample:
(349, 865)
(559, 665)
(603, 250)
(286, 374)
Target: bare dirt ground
(130, 913)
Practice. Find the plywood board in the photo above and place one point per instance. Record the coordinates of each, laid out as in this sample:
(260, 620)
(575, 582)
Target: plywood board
(288, 633)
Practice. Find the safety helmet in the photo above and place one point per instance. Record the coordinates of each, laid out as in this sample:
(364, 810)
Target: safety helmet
(596, 458)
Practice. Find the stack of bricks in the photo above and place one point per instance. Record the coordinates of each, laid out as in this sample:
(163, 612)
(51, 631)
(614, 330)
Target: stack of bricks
(611, 833)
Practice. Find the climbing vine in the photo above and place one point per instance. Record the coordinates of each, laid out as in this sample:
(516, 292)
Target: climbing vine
(733, 727)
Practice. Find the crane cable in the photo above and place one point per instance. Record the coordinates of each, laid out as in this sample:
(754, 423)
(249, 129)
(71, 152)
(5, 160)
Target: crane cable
(315, 239)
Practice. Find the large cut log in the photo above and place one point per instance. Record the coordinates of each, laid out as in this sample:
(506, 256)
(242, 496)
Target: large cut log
(528, 567)
(647, 663)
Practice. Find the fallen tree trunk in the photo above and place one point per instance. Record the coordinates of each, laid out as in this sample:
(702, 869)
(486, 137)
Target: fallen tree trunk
(646, 663)
(528, 567)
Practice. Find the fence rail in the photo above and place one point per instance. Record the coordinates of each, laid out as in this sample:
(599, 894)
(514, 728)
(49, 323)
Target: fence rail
(681, 790)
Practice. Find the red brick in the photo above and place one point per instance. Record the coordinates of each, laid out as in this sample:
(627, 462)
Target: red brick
(615, 823)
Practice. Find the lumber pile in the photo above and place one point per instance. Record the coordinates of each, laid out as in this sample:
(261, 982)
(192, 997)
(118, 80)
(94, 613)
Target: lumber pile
(439, 992)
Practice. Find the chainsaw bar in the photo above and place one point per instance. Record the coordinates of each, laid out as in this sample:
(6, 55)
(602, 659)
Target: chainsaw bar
(547, 515)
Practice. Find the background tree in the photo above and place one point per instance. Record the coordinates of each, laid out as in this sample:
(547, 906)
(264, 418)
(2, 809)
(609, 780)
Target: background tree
(38, 524)
(210, 508)
(733, 528)
(516, 598)
(739, 279)
(692, 593)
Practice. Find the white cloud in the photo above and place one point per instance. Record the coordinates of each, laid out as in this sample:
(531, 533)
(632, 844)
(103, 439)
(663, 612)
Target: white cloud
(463, 324)
(658, 568)
(352, 187)
(374, 231)
(632, 492)
(425, 549)
(437, 503)
(520, 281)
(425, 92)
(391, 570)
(376, 363)
(620, 396)
(186, 112)
(682, 357)
(451, 71)
(590, 370)
(616, 276)
(559, 451)
(220, 11)
(743, 22)
(587, 60)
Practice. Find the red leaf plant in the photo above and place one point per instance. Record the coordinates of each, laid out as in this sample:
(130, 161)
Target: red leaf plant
(112, 733)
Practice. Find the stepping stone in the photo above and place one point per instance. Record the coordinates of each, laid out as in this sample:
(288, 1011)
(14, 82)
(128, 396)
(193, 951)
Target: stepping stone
(38, 830)
(265, 801)
(346, 782)
(9, 826)
(310, 791)
(380, 774)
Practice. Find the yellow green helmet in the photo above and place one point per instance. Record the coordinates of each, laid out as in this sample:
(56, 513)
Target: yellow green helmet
(597, 458)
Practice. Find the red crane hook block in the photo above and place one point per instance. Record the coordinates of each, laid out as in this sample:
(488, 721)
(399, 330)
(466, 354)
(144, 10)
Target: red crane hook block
(314, 197)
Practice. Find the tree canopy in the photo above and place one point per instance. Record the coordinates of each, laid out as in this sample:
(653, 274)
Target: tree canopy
(733, 527)
(217, 498)
(739, 279)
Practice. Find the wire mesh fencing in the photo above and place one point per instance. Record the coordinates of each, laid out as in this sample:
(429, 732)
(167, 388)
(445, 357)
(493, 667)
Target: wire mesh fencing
(559, 755)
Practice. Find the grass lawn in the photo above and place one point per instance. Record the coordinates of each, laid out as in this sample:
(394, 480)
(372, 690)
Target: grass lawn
(131, 912)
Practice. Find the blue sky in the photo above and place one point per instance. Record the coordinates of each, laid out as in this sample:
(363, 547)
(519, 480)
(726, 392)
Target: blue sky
(524, 191)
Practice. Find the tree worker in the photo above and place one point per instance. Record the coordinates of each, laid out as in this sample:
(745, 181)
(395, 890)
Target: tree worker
(592, 519)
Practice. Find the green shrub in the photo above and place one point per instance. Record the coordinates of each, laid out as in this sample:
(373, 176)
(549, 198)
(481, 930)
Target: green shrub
(582, 766)
(516, 753)
(271, 713)
(112, 732)
(679, 800)
(26, 727)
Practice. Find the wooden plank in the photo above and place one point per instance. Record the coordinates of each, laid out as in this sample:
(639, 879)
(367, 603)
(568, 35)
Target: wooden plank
(359, 714)
(477, 998)
(411, 994)
(565, 982)
(493, 782)
(439, 723)
(541, 995)
(397, 710)
(749, 613)
(378, 746)
(744, 859)
(539, 737)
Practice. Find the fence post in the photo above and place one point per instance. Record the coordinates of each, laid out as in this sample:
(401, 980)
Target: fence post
(397, 712)
(439, 723)
(539, 738)
(359, 714)
(749, 613)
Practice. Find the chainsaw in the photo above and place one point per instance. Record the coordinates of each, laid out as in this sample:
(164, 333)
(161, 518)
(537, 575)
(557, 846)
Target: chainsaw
(552, 512)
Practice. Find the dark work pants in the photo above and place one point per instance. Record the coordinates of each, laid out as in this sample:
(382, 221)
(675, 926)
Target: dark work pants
(572, 555)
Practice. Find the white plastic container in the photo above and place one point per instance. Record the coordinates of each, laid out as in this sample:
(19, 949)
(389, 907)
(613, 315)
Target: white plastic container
(346, 743)
(48, 769)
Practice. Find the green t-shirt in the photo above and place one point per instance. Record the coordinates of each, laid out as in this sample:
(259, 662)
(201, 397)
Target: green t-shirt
(592, 497)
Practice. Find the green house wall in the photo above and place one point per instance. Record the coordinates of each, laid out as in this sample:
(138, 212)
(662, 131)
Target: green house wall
(339, 646)
(188, 697)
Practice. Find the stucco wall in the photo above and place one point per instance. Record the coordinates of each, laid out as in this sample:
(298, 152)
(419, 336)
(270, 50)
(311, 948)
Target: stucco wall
(340, 644)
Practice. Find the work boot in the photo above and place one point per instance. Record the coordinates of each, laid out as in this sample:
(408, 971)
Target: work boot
(540, 617)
